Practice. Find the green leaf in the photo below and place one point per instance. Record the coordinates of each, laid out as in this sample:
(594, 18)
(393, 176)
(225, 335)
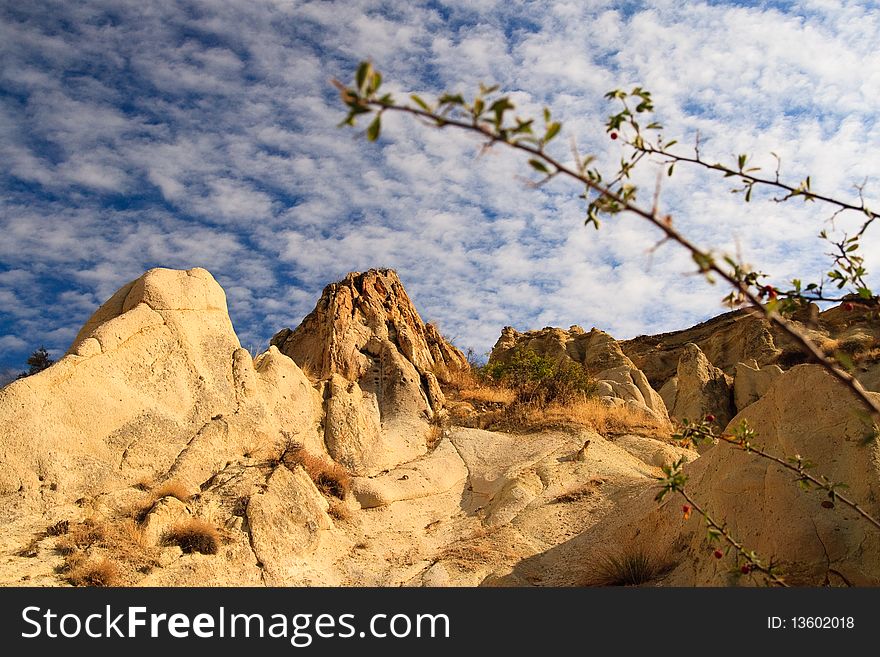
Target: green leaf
(363, 70)
(552, 131)
(376, 82)
(451, 99)
(546, 115)
(479, 105)
(374, 128)
(418, 101)
(537, 165)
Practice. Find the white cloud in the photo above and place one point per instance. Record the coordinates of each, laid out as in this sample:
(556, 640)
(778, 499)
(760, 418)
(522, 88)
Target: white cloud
(207, 138)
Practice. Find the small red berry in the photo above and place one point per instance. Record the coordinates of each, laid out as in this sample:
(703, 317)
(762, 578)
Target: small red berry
(718, 554)
(710, 418)
(614, 135)
(686, 511)
(827, 504)
(746, 569)
(848, 306)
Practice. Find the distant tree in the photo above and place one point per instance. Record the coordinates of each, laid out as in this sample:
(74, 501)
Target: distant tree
(38, 361)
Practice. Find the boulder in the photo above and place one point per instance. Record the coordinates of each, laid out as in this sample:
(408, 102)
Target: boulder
(752, 381)
(289, 507)
(155, 384)
(702, 389)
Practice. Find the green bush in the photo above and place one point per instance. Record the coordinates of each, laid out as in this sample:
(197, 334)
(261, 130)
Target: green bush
(542, 379)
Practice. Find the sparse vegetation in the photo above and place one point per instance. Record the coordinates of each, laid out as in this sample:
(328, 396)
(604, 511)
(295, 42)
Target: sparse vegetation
(331, 478)
(194, 535)
(627, 568)
(85, 572)
(171, 488)
(580, 493)
(104, 552)
(541, 379)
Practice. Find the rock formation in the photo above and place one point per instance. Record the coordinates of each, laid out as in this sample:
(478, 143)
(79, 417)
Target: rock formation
(384, 366)
(701, 389)
(157, 423)
(752, 381)
(619, 380)
(805, 412)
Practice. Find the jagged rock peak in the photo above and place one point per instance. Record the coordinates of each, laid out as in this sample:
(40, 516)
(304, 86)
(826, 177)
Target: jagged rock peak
(362, 309)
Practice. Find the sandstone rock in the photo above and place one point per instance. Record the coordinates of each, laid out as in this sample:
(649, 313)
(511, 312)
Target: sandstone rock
(807, 412)
(285, 522)
(654, 452)
(669, 391)
(600, 355)
(725, 340)
(363, 308)
(155, 382)
(366, 331)
(702, 389)
(751, 382)
(432, 474)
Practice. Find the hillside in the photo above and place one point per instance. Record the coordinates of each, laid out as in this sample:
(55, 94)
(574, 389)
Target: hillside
(360, 449)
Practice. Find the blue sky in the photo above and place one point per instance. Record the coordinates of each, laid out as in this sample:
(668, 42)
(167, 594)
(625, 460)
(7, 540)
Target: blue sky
(182, 134)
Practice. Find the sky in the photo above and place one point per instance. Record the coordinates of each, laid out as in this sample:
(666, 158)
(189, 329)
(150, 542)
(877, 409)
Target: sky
(152, 133)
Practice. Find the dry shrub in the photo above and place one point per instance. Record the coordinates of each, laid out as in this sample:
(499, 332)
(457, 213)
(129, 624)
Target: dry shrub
(604, 418)
(85, 572)
(331, 478)
(578, 494)
(82, 536)
(435, 434)
(630, 567)
(59, 528)
(194, 535)
(171, 488)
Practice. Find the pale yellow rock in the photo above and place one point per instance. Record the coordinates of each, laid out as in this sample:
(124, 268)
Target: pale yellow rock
(702, 389)
(751, 382)
(432, 474)
(285, 522)
(165, 514)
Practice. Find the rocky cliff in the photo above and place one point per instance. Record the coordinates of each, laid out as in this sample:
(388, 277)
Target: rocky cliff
(159, 452)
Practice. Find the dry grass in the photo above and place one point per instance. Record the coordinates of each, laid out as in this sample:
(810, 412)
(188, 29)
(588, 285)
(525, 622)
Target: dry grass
(435, 434)
(627, 568)
(331, 478)
(194, 535)
(580, 493)
(591, 413)
(480, 550)
(85, 572)
(171, 488)
(82, 536)
(120, 545)
(603, 418)
(483, 394)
